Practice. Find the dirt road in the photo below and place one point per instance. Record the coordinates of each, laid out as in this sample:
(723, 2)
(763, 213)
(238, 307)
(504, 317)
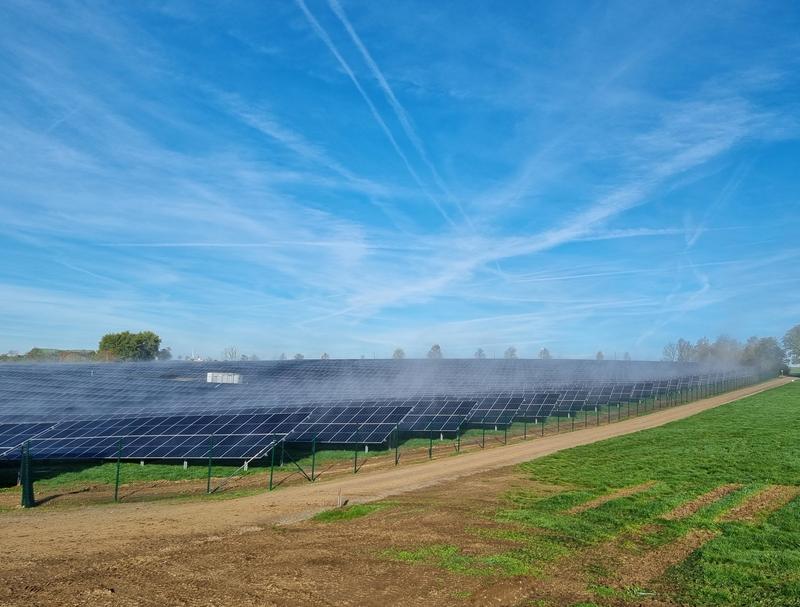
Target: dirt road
(38, 535)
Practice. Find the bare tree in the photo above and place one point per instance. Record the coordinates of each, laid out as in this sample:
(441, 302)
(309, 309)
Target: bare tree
(325, 356)
(230, 353)
(479, 353)
(298, 356)
(398, 354)
(600, 355)
(544, 354)
(282, 356)
(511, 352)
(670, 353)
(435, 351)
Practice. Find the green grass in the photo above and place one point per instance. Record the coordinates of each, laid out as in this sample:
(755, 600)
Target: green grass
(753, 442)
(347, 512)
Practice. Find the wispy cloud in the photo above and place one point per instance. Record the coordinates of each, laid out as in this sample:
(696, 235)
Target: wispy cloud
(323, 35)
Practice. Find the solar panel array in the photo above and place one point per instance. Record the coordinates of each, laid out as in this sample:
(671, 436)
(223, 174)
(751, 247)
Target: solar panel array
(178, 410)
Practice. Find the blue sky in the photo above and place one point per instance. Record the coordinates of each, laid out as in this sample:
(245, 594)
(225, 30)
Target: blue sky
(352, 177)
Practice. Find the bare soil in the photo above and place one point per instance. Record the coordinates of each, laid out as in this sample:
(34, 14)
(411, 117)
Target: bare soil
(262, 549)
(762, 503)
(691, 507)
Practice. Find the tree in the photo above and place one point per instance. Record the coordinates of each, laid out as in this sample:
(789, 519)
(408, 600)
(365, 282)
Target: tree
(435, 351)
(282, 356)
(298, 356)
(599, 355)
(791, 343)
(325, 356)
(626, 356)
(398, 354)
(230, 353)
(479, 353)
(702, 351)
(686, 351)
(511, 352)
(670, 353)
(544, 354)
(164, 354)
(764, 353)
(129, 346)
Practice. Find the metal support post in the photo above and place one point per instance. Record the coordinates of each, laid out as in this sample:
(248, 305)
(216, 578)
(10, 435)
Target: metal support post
(396, 444)
(430, 445)
(271, 467)
(313, 457)
(26, 477)
(116, 479)
(210, 459)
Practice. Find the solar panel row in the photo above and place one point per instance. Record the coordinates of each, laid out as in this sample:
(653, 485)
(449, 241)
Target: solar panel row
(185, 428)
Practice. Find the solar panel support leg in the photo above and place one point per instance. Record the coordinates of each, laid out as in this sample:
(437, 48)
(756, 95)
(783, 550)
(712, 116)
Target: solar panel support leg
(26, 477)
(116, 478)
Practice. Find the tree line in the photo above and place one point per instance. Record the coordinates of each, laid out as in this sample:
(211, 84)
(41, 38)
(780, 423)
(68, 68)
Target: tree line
(765, 353)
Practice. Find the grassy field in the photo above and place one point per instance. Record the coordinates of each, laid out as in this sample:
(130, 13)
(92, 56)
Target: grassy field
(747, 557)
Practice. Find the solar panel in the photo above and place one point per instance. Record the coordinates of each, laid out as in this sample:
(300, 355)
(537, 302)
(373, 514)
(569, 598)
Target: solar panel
(166, 437)
(437, 415)
(495, 410)
(359, 424)
(13, 435)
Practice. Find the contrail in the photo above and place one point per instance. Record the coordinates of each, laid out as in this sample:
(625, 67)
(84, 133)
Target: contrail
(320, 31)
(399, 110)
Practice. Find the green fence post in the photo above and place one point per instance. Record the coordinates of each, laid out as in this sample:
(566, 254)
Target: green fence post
(483, 437)
(210, 458)
(544, 421)
(430, 445)
(396, 444)
(458, 440)
(26, 476)
(505, 435)
(313, 457)
(558, 424)
(116, 479)
(597, 414)
(355, 460)
(271, 466)
(525, 430)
